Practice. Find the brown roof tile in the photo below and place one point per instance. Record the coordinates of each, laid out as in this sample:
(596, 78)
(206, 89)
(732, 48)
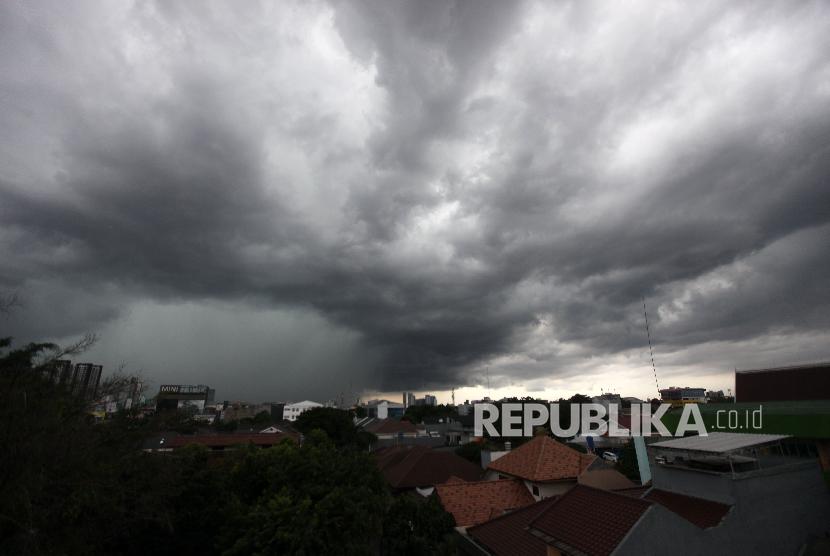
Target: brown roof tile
(475, 502)
(543, 459)
(590, 520)
(508, 535)
(605, 479)
(419, 466)
(391, 426)
(701, 512)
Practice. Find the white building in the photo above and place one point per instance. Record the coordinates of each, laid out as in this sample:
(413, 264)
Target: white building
(294, 410)
(384, 409)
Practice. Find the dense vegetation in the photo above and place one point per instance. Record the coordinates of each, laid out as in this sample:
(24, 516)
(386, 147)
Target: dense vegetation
(69, 485)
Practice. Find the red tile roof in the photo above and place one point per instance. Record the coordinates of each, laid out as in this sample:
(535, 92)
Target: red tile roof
(508, 535)
(605, 479)
(226, 440)
(543, 459)
(419, 466)
(590, 520)
(391, 426)
(703, 513)
(474, 503)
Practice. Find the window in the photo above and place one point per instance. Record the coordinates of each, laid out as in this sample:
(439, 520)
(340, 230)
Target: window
(535, 490)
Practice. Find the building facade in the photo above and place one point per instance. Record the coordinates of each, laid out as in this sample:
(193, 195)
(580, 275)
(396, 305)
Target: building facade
(186, 397)
(293, 410)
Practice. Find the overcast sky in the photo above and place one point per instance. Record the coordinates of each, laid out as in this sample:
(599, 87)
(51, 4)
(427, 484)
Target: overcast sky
(299, 200)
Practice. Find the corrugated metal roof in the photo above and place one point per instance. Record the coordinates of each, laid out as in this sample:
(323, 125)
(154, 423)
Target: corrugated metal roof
(719, 442)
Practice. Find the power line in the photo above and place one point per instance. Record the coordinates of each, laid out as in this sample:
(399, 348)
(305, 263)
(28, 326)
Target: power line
(650, 350)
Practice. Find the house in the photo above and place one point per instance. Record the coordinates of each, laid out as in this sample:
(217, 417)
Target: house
(726, 493)
(622, 424)
(419, 467)
(735, 494)
(453, 431)
(384, 409)
(387, 429)
(546, 467)
(582, 521)
(472, 503)
(293, 410)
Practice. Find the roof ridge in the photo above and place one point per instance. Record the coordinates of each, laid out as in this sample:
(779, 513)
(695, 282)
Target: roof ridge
(654, 489)
(497, 481)
(551, 502)
(577, 487)
(540, 456)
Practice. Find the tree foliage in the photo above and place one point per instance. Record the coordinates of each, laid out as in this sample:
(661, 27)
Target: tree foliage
(337, 424)
(470, 451)
(71, 485)
(627, 462)
(415, 526)
(418, 413)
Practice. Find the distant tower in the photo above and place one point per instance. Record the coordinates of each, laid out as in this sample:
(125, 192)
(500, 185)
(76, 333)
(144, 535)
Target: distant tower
(453, 396)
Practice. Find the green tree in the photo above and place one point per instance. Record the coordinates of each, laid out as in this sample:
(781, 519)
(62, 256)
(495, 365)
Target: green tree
(309, 499)
(470, 451)
(417, 413)
(336, 423)
(627, 462)
(415, 526)
(68, 485)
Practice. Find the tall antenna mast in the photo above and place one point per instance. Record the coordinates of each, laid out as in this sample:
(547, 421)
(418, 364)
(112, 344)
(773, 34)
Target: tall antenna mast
(650, 350)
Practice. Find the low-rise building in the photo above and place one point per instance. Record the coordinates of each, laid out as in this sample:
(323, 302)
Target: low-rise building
(422, 468)
(384, 409)
(545, 466)
(293, 410)
(783, 384)
(472, 503)
(388, 429)
(679, 396)
(184, 397)
(722, 494)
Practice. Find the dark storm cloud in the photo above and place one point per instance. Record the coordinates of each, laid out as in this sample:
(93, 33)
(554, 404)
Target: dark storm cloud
(456, 183)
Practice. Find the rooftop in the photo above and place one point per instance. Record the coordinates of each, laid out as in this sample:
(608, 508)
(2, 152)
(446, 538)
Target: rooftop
(606, 479)
(418, 466)
(719, 442)
(390, 426)
(573, 522)
(543, 459)
(703, 513)
(508, 535)
(476, 502)
(820, 365)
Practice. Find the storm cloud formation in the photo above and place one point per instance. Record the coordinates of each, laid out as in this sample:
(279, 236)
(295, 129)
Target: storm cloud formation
(416, 191)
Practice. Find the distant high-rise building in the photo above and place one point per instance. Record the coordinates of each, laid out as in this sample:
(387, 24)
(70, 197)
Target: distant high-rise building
(430, 399)
(60, 371)
(408, 399)
(85, 380)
